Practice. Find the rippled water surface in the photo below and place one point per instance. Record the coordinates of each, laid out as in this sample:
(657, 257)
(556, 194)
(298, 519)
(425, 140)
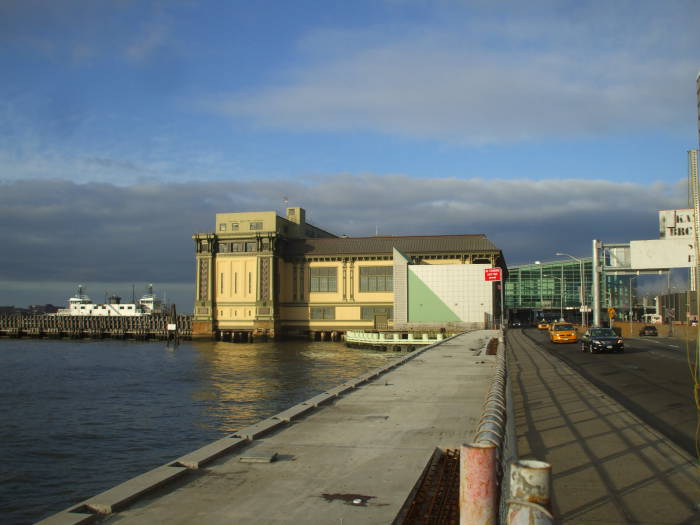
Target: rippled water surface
(78, 417)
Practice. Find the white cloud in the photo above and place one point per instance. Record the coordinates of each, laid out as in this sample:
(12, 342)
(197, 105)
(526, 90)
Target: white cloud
(496, 81)
(145, 45)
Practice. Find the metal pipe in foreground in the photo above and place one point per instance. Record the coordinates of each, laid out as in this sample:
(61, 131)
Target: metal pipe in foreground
(477, 487)
(530, 486)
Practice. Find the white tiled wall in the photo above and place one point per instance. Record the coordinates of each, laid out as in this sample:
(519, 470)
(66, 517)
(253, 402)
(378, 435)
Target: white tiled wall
(460, 286)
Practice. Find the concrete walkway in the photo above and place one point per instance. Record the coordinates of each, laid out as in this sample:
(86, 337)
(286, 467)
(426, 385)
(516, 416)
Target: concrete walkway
(371, 444)
(607, 466)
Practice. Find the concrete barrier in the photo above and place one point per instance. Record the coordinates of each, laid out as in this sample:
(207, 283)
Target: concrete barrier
(294, 412)
(261, 428)
(320, 399)
(119, 496)
(204, 455)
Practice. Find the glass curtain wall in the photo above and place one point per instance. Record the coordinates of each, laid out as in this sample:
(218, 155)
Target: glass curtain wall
(555, 286)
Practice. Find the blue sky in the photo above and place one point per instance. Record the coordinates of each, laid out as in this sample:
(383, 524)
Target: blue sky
(542, 125)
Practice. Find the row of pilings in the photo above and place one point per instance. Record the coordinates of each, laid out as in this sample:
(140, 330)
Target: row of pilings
(156, 326)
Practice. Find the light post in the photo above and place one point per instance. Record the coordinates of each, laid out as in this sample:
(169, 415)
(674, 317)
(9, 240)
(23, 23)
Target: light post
(538, 263)
(561, 297)
(582, 273)
(630, 297)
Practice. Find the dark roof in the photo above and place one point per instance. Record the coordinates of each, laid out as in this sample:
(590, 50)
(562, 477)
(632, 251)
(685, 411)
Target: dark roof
(421, 244)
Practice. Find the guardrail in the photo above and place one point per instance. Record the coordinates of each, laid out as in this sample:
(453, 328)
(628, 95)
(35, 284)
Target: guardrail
(496, 487)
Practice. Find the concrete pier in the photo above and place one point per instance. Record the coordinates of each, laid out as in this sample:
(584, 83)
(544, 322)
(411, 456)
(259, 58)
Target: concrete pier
(351, 455)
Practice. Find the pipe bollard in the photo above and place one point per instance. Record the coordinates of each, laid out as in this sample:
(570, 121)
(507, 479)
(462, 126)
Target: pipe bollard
(477, 484)
(529, 502)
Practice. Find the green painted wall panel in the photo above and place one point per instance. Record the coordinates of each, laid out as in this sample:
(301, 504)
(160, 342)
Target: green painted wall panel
(423, 305)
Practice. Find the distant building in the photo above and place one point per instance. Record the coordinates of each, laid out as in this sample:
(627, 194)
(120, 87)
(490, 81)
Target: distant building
(264, 273)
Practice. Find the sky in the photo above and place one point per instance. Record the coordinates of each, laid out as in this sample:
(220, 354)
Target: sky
(125, 125)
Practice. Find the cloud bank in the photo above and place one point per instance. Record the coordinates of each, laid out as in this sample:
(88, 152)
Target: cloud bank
(60, 231)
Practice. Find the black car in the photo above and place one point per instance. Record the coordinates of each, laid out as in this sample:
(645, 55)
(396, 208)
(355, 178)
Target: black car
(516, 324)
(602, 340)
(649, 330)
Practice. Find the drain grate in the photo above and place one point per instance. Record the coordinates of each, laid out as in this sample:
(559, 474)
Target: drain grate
(435, 500)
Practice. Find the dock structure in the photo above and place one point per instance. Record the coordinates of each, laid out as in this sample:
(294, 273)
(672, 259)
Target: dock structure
(154, 326)
(391, 341)
(353, 454)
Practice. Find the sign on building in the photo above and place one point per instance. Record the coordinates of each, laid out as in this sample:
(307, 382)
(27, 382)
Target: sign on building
(492, 274)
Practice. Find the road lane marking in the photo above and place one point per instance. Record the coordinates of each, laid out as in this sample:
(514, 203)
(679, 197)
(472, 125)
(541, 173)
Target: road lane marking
(660, 343)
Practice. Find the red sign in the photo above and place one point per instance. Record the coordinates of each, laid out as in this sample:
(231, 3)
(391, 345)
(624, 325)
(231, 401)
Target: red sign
(492, 274)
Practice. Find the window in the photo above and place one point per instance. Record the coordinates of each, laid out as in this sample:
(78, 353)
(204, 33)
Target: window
(223, 247)
(237, 247)
(376, 279)
(257, 225)
(324, 279)
(222, 227)
(251, 246)
(367, 313)
(234, 226)
(323, 312)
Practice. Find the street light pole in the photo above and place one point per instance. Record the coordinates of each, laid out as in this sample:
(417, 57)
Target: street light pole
(582, 273)
(538, 263)
(630, 297)
(561, 297)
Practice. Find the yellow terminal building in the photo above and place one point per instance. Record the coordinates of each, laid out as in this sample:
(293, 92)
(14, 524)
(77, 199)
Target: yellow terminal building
(261, 274)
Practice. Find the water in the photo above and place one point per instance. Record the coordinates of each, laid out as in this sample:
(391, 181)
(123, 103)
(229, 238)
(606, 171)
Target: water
(78, 417)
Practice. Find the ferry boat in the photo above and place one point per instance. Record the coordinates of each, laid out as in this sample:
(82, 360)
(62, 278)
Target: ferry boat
(80, 304)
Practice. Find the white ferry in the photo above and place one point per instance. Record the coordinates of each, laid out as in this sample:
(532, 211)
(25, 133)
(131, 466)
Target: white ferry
(80, 304)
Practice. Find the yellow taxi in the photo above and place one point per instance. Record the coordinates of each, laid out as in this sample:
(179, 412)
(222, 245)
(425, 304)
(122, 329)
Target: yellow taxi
(542, 324)
(562, 333)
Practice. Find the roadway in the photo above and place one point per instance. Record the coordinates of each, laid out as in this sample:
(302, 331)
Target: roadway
(652, 379)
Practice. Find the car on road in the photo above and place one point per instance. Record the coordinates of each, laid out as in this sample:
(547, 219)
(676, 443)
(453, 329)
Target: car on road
(597, 340)
(649, 330)
(542, 324)
(516, 324)
(562, 333)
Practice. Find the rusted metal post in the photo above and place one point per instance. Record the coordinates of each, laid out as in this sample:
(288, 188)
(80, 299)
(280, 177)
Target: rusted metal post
(529, 502)
(477, 484)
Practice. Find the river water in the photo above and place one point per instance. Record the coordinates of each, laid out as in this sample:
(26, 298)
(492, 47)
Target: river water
(78, 417)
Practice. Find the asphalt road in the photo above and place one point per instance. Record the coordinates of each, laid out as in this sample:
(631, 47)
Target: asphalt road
(652, 378)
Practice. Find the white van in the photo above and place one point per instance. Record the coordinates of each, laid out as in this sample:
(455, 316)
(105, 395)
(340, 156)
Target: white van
(652, 319)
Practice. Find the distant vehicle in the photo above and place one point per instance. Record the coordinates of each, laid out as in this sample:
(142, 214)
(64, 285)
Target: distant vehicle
(542, 324)
(602, 340)
(649, 330)
(562, 333)
(516, 324)
(652, 319)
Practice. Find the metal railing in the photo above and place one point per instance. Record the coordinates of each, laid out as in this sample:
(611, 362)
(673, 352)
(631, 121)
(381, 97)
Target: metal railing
(496, 487)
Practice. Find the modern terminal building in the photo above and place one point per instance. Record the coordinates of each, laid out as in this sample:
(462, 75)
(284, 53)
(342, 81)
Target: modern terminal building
(563, 289)
(259, 273)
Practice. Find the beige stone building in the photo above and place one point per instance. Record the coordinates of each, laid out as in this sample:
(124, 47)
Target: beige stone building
(259, 273)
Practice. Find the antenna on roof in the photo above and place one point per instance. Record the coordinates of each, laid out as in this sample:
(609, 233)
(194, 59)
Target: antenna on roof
(376, 230)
